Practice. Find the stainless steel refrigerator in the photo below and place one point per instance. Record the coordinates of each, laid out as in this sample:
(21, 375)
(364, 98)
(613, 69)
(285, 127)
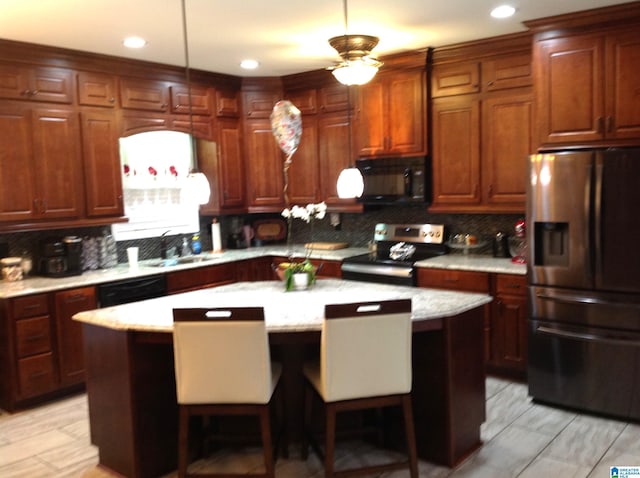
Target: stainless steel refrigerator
(583, 236)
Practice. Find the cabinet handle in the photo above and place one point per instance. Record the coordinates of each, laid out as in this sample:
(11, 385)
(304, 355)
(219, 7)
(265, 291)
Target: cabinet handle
(31, 306)
(490, 190)
(34, 338)
(25, 93)
(609, 124)
(39, 374)
(600, 124)
(490, 83)
(35, 92)
(76, 298)
(163, 106)
(450, 280)
(112, 99)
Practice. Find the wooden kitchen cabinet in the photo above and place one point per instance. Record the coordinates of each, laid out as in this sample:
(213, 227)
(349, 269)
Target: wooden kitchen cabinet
(96, 89)
(587, 86)
(144, 94)
(201, 99)
(391, 116)
(44, 84)
(259, 103)
(70, 347)
(509, 326)
(101, 155)
(257, 269)
(482, 127)
(264, 161)
(227, 102)
(304, 172)
(41, 169)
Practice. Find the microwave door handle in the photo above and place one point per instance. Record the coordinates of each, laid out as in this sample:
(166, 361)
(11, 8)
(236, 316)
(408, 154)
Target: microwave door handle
(408, 182)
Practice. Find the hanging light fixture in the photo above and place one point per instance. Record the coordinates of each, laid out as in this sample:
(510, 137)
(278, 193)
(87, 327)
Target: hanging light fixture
(197, 183)
(358, 65)
(350, 183)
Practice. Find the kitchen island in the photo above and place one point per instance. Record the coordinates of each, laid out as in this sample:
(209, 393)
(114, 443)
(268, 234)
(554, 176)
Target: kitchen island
(131, 385)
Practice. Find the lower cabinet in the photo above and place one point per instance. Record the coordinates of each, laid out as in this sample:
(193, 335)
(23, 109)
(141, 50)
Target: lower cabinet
(257, 269)
(194, 279)
(505, 319)
(328, 269)
(41, 348)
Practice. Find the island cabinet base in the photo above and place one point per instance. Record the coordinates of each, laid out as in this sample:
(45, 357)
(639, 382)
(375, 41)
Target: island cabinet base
(132, 400)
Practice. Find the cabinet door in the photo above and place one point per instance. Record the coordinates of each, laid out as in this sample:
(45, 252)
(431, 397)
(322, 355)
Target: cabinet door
(305, 100)
(102, 175)
(508, 71)
(259, 104)
(569, 84)
(333, 157)
(69, 332)
(333, 98)
(455, 79)
(132, 123)
(48, 84)
(200, 99)
(304, 172)
(17, 185)
(370, 122)
(96, 89)
(456, 151)
(507, 140)
(231, 163)
(144, 95)
(623, 97)
(14, 81)
(509, 333)
(265, 164)
(57, 163)
(406, 118)
(227, 103)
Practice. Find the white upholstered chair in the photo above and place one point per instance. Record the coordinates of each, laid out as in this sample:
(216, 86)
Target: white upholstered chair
(223, 367)
(365, 362)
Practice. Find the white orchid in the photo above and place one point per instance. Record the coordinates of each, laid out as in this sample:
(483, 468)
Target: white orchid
(307, 213)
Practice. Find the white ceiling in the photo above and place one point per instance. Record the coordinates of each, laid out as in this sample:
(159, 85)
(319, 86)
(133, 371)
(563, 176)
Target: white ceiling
(285, 36)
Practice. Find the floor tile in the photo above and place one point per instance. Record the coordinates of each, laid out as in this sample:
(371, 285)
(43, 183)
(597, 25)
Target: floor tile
(32, 446)
(542, 467)
(28, 468)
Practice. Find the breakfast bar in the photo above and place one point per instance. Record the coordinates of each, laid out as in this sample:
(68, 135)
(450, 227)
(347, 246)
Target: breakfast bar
(131, 385)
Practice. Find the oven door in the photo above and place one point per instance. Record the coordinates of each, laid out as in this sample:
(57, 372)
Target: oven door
(379, 273)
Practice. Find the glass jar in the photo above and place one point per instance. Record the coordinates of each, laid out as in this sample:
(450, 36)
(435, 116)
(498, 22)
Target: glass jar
(11, 268)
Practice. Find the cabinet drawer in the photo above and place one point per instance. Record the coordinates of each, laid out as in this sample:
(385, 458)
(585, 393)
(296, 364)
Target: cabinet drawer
(33, 336)
(30, 306)
(511, 284)
(456, 280)
(202, 277)
(36, 375)
(455, 79)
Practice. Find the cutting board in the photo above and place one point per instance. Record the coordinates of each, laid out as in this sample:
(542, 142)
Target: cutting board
(326, 246)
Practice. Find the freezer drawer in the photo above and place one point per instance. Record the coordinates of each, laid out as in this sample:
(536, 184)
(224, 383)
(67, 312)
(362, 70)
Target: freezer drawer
(588, 368)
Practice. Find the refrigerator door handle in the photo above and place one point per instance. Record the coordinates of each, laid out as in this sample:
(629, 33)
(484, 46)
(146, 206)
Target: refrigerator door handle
(576, 299)
(588, 226)
(587, 337)
(597, 217)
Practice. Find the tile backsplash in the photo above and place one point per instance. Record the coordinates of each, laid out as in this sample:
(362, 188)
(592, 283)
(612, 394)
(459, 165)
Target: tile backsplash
(355, 229)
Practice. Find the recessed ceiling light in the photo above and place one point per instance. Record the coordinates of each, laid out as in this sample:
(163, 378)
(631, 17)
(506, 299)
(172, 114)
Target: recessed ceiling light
(503, 11)
(249, 64)
(134, 42)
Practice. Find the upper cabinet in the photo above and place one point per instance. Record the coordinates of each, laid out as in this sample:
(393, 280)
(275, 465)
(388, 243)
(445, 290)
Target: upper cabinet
(391, 113)
(201, 99)
(96, 89)
(46, 84)
(143, 94)
(587, 78)
(482, 125)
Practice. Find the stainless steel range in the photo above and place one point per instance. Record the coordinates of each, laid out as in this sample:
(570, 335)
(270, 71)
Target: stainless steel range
(396, 248)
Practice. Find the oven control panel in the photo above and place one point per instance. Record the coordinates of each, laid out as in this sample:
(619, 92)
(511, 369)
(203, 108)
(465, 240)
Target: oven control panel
(417, 233)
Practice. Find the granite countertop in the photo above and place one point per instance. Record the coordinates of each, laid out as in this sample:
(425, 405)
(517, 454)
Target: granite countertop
(37, 284)
(284, 311)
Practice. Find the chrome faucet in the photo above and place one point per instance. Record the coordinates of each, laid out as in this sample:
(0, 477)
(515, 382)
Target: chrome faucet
(163, 245)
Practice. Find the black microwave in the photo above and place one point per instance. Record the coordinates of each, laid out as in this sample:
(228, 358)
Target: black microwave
(395, 180)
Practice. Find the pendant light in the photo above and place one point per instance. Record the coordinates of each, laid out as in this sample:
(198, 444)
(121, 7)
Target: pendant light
(197, 183)
(350, 183)
(358, 66)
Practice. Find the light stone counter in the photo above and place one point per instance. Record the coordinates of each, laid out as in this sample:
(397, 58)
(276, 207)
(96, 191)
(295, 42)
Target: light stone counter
(284, 311)
(474, 263)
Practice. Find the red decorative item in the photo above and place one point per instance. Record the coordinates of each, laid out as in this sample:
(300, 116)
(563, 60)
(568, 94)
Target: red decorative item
(152, 171)
(173, 171)
(126, 169)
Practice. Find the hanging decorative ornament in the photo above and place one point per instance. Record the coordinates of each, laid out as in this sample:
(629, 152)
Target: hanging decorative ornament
(286, 126)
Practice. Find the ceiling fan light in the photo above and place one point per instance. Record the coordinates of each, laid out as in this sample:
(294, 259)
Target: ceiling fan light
(350, 183)
(355, 72)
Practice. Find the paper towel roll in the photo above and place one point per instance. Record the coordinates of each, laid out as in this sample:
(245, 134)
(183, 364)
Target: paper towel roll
(215, 237)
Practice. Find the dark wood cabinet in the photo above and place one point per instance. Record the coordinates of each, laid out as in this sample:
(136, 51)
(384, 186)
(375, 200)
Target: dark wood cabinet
(69, 332)
(304, 172)
(144, 94)
(96, 89)
(259, 103)
(45, 84)
(201, 98)
(257, 269)
(587, 88)
(101, 155)
(41, 175)
(265, 162)
(509, 326)
(482, 131)
(227, 103)
(194, 279)
(391, 116)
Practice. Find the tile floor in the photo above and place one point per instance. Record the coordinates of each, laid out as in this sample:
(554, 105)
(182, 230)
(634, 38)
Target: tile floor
(521, 439)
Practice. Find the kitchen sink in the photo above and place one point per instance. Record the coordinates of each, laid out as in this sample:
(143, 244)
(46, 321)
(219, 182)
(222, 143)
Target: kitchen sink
(176, 261)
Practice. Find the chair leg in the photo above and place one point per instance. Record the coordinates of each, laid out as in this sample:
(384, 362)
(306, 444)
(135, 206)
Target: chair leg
(183, 441)
(330, 440)
(265, 426)
(410, 435)
(306, 430)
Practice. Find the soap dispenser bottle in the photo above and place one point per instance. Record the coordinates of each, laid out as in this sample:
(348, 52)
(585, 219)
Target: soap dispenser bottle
(185, 251)
(196, 247)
